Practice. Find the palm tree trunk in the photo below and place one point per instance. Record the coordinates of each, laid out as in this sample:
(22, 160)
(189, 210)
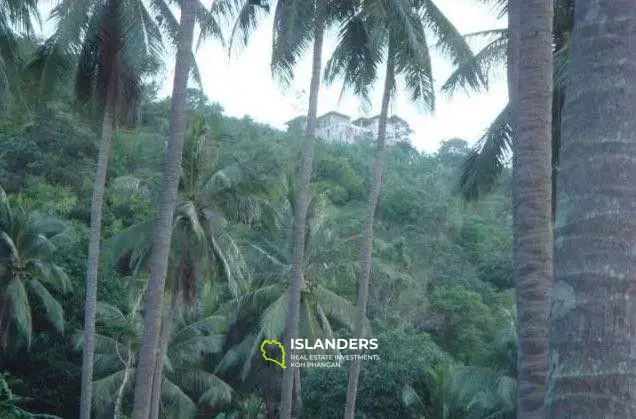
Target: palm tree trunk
(134, 311)
(164, 340)
(162, 233)
(304, 180)
(269, 405)
(364, 264)
(593, 315)
(298, 398)
(122, 388)
(512, 53)
(532, 199)
(94, 238)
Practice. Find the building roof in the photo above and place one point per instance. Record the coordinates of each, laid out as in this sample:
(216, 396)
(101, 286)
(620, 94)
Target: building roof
(334, 113)
(393, 119)
(362, 121)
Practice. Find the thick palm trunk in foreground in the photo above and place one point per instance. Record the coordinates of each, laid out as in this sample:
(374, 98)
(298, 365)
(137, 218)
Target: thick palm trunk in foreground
(162, 233)
(532, 201)
(92, 263)
(593, 314)
(364, 264)
(300, 218)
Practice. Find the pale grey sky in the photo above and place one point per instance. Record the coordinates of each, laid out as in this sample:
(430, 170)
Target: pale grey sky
(243, 84)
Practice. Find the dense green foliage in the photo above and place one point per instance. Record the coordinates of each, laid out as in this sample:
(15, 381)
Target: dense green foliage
(441, 301)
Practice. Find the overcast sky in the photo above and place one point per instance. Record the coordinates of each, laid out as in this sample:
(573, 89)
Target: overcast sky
(243, 84)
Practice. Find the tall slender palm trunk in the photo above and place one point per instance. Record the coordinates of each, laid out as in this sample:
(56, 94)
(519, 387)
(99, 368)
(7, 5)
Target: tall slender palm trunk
(593, 314)
(532, 198)
(364, 264)
(300, 218)
(164, 340)
(119, 401)
(162, 233)
(94, 238)
(128, 367)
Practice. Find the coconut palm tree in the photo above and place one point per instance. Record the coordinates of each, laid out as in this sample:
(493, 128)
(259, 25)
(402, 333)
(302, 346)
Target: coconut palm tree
(203, 248)
(15, 15)
(113, 42)
(296, 24)
(185, 384)
(191, 11)
(261, 310)
(393, 32)
(591, 309)
(267, 298)
(27, 245)
(109, 45)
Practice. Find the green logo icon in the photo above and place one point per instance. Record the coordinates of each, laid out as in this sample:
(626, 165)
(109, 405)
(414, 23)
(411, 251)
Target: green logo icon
(273, 342)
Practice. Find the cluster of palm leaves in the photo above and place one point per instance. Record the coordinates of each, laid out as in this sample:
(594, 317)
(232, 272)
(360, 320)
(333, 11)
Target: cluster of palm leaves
(186, 385)
(493, 150)
(27, 270)
(16, 19)
(265, 303)
(464, 392)
(10, 404)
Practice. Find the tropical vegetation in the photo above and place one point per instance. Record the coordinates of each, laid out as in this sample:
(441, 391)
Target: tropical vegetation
(149, 245)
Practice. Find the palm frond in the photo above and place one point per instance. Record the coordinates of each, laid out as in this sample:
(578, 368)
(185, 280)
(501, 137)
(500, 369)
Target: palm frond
(499, 6)
(271, 326)
(237, 355)
(212, 390)
(490, 57)
(335, 306)
(105, 390)
(247, 16)
(260, 298)
(411, 398)
(325, 324)
(272, 322)
(53, 309)
(142, 36)
(176, 401)
(55, 59)
(21, 14)
(208, 23)
(6, 96)
(292, 34)
(5, 210)
(360, 50)
(17, 297)
(166, 20)
(135, 238)
(412, 59)
(453, 45)
(488, 158)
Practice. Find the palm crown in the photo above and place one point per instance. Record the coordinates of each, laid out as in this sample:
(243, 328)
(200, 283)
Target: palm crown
(27, 244)
(396, 30)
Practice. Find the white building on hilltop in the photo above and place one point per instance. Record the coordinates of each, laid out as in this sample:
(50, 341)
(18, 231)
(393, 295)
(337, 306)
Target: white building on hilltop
(337, 127)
